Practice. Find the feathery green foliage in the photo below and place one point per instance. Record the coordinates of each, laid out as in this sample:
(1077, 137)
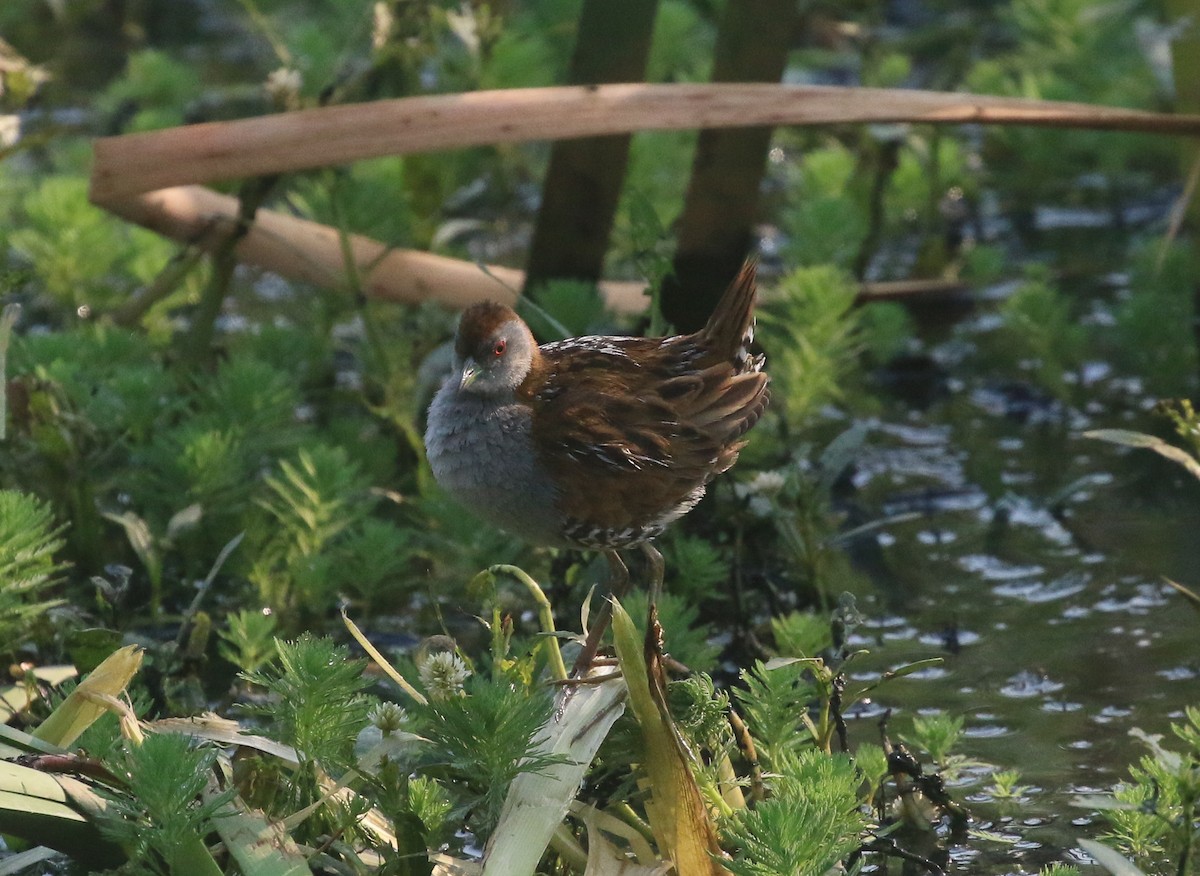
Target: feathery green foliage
(702, 711)
(163, 816)
(1158, 816)
(312, 502)
(1154, 318)
(801, 634)
(28, 542)
(776, 701)
(872, 764)
(824, 221)
(430, 802)
(316, 702)
(938, 735)
(1053, 47)
(1006, 785)
(1041, 329)
(811, 821)
(1186, 420)
(695, 566)
(482, 740)
(810, 330)
(249, 640)
(1059, 870)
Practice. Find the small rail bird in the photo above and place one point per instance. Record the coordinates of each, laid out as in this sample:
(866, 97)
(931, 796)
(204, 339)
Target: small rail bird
(594, 442)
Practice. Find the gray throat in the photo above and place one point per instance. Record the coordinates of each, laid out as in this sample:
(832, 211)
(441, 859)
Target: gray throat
(481, 451)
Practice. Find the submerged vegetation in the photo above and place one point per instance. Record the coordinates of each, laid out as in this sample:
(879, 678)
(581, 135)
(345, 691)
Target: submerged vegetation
(204, 468)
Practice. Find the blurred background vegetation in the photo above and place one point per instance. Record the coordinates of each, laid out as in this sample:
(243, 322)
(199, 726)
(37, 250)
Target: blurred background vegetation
(293, 439)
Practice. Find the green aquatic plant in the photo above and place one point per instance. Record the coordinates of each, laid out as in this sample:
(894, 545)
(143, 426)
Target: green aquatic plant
(316, 538)
(938, 735)
(696, 567)
(1059, 870)
(808, 328)
(1052, 47)
(1153, 319)
(688, 639)
(1006, 785)
(797, 503)
(1043, 335)
(248, 642)
(801, 634)
(316, 699)
(797, 702)
(163, 816)
(1155, 816)
(29, 540)
(812, 820)
(153, 91)
(81, 259)
(825, 223)
(481, 740)
(315, 703)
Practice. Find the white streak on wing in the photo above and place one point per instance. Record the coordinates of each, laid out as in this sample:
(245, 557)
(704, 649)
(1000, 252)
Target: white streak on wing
(609, 346)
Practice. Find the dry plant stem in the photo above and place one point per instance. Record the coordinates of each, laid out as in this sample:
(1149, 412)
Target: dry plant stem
(135, 163)
(888, 846)
(657, 569)
(142, 177)
(382, 661)
(1190, 595)
(887, 159)
(899, 290)
(202, 589)
(313, 253)
(741, 733)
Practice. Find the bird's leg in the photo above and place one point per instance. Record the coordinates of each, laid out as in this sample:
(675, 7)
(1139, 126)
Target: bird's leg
(618, 582)
(618, 586)
(658, 568)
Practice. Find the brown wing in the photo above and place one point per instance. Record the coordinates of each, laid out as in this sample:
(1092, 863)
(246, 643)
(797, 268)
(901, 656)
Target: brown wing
(630, 428)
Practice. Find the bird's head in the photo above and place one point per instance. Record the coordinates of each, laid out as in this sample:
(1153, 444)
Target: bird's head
(493, 350)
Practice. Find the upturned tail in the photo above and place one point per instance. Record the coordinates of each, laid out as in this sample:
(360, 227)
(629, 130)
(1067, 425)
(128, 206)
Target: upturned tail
(730, 330)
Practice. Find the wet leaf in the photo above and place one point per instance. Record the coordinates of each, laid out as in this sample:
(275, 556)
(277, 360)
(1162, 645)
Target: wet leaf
(910, 668)
(1101, 801)
(1127, 438)
(1114, 862)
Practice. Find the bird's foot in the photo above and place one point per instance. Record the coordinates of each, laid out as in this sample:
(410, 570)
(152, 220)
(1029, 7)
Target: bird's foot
(618, 586)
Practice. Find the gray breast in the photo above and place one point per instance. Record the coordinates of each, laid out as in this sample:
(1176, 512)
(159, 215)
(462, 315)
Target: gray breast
(482, 454)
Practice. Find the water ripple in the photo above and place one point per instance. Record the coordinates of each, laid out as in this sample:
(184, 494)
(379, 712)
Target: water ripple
(1029, 684)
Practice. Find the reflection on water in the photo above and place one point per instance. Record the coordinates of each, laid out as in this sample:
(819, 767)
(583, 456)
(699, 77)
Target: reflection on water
(1033, 566)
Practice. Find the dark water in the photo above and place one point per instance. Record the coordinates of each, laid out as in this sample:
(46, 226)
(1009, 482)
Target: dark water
(1031, 560)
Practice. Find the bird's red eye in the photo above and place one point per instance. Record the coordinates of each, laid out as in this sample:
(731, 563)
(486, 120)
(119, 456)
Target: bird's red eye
(500, 347)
